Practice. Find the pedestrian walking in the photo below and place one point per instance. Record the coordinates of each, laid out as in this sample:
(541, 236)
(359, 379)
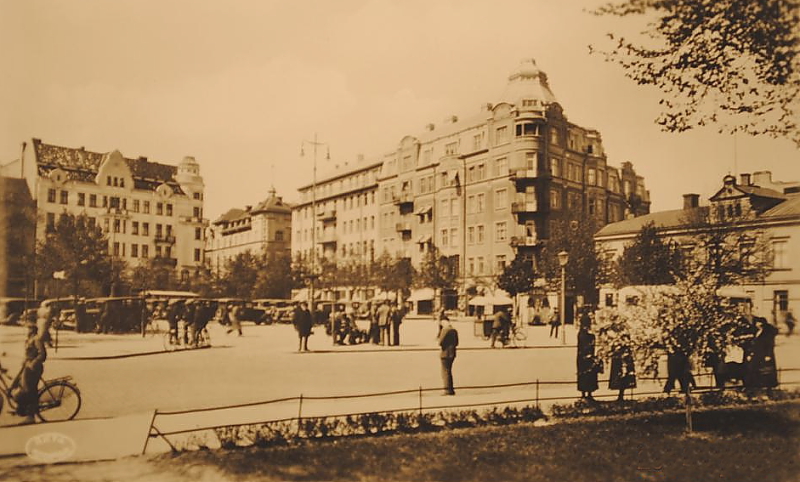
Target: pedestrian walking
(554, 322)
(448, 342)
(374, 329)
(234, 316)
(679, 368)
(790, 322)
(302, 323)
(384, 319)
(174, 313)
(397, 314)
(588, 365)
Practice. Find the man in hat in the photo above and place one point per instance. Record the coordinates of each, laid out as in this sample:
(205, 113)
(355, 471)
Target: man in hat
(448, 341)
(24, 387)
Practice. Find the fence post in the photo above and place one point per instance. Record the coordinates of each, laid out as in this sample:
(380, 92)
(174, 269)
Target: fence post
(300, 415)
(537, 393)
(420, 400)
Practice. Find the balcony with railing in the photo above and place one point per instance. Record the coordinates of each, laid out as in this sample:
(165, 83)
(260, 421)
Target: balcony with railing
(524, 206)
(327, 237)
(523, 241)
(402, 226)
(403, 198)
(164, 239)
(171, 262)
(327, 215)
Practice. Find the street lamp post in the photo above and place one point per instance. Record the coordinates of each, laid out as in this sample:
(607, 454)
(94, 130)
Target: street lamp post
(563, 259)
(314, 144)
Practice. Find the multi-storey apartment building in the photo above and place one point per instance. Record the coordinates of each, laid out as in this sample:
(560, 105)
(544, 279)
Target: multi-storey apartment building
(483, 188)
(265, 229)
(754, 204)
(345, 226)
(147, 209)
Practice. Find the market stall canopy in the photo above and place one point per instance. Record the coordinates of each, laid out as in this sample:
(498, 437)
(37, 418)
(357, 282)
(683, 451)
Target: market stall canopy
(479, 301)
(421, 294)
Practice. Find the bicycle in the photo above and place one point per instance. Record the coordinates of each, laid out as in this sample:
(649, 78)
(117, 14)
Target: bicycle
(58, 399)
(517, 336)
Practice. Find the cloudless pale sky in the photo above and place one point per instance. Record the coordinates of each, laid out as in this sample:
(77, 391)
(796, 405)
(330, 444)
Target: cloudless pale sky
(239, 84)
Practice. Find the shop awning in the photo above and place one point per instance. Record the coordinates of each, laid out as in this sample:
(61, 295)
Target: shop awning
(421, 294)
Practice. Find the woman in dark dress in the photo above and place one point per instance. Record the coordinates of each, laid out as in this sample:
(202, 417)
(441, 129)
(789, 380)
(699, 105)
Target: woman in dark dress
(623, 371)
(587, 363)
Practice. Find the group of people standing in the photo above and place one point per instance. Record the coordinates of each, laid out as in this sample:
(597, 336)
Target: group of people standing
(186, 318)
(757, 369)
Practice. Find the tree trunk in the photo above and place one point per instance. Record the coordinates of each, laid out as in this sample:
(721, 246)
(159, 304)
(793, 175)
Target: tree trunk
(688, 403)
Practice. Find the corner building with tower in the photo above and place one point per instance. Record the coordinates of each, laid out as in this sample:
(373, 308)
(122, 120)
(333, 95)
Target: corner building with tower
(479, 189)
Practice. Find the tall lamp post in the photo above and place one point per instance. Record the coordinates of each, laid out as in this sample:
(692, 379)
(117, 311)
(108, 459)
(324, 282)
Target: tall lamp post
(563, 259)
(314, 145)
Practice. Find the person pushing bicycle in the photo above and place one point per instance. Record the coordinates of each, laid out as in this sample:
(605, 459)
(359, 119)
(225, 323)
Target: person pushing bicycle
(24, 388)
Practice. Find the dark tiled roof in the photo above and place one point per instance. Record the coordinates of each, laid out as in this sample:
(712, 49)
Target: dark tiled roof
(81, 164)
(272, 204)
(761, 191)
(231, 215)
(790, 207)
(662, 220)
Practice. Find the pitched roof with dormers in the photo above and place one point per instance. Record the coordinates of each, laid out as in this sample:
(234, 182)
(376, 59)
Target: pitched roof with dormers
(82, 165)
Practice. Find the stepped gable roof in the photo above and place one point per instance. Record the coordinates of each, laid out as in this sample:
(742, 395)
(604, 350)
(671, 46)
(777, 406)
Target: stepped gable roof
(82, 165)
(662, 220)
(232, 214)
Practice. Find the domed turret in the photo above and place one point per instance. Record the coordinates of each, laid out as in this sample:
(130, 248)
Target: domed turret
(527, 87)
(189, 174)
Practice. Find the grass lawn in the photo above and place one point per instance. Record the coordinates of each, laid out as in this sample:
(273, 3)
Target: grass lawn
(747, 444)
(741, 444)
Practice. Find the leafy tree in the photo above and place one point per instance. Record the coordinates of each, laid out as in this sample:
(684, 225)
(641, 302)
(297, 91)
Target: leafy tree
(79, 248)
(437, 271)
(726, 250)
(393, 273)
(518, 276)
(648, 260)
(152, 274)
(274, 280)
(585, 268)
(241, 273)
(734, 63)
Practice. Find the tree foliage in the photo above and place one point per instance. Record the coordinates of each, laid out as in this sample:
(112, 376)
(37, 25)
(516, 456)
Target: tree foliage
(392, 273)
(585, 269)
(79, 248)
(648, 260)
(733, 63)
(241, 274)
(436, 271)
(274, 279)
(518, 276)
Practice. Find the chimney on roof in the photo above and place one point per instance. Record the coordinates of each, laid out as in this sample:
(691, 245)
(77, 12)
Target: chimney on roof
(486, 107)
(762, 178)
(745, 179)
(430, 127)
(248, 208)
(143, 158)
(451, 119)
(691, 201)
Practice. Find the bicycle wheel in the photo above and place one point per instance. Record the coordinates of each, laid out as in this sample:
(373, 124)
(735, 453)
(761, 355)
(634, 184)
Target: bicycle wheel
(59, 400)
(520, 334)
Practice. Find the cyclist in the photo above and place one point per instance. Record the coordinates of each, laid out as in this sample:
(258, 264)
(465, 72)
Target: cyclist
(24, 388)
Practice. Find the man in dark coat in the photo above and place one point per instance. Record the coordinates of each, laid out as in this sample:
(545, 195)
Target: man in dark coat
(499, 327)
(588, 365)
(396, 316)
(448, 341)
(302, 323)
(679, 368)
(760, 368)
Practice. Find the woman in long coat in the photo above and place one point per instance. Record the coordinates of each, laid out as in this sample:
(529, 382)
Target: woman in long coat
(760, 369)
(588, 366)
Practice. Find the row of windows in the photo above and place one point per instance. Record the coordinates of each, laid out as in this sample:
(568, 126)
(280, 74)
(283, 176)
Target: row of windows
(161, 209)
(477, 266)
(475, 234)
(143, 251)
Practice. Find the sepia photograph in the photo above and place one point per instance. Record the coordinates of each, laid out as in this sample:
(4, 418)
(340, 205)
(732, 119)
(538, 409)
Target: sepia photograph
(399, 240)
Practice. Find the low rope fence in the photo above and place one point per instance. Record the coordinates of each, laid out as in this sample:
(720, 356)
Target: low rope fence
(419, 407)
